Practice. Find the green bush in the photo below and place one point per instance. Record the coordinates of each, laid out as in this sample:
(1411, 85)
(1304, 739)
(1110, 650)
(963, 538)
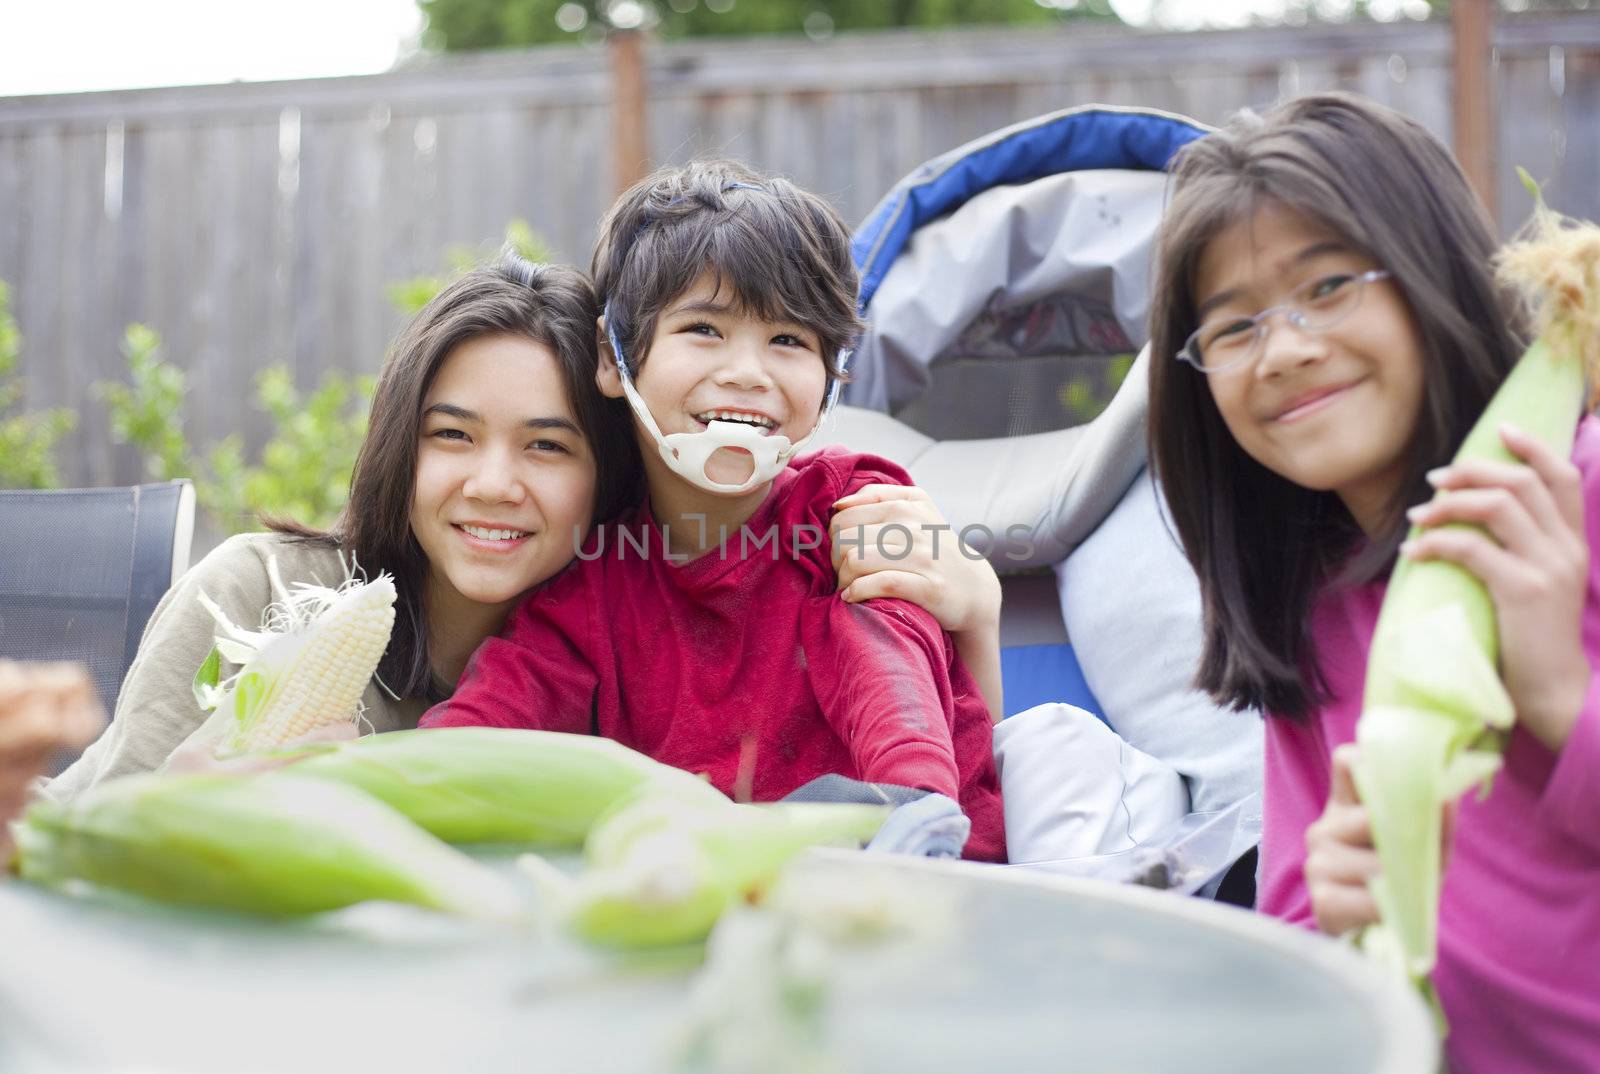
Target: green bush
(149, 412)
(303, 471)
(411, 295)
(27, 438)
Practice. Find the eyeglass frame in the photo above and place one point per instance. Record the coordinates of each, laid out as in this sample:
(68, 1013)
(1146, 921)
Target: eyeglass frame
(1293, 314)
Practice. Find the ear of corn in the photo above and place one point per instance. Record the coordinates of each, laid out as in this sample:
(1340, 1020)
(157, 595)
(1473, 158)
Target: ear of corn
(277, 846)
(662, 869)
(496, 785)
(1434, 711)
(307, 670)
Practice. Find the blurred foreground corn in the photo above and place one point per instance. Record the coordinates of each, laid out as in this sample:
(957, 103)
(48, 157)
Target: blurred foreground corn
(496, 785)
(663, 868)
(279, 845)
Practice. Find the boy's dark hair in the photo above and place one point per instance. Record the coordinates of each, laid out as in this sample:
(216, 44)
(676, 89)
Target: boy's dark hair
(550, 304)
(1262, 545)
(783, 252)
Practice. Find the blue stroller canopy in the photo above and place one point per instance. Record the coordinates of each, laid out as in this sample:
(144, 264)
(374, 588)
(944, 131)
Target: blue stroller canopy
(1075, 139)
(1029, 243)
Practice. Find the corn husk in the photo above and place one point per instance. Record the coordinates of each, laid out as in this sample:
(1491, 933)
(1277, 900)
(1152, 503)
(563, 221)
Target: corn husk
(1435, 714)
(662, 869)
(278, 846)
(497, 785)
(305, 669)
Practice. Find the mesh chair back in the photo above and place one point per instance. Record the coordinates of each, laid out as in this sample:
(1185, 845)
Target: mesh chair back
(82, 569)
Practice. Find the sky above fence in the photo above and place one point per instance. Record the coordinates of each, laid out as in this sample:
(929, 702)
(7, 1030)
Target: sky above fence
(72, 46)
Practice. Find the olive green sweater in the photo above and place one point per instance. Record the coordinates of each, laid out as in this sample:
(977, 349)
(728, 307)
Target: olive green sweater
(156, 708)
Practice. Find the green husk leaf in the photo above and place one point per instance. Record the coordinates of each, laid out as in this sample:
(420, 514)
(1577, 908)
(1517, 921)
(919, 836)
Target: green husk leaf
(274, 844)
(663, 869)
(1531, 185)
(497, 785)
(206, 679)
(1435, 713)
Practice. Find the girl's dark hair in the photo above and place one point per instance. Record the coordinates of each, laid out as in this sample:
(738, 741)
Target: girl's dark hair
(548, 304)
(783, 252)
(1262, 545)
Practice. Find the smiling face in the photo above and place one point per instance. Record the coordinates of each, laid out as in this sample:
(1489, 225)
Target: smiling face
(1332, 410)
(710, 359)
(504, 476)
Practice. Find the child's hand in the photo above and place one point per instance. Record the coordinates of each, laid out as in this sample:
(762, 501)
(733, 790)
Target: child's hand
(1340, 858)
(930, 569)
(1536, 569)
(43, 708)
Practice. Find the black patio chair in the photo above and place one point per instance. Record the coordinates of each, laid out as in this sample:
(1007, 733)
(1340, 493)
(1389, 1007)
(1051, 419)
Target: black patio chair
(82, 569)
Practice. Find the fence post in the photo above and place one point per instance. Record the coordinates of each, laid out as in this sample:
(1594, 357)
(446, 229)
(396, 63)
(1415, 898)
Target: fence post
(1471, 26)
(630, 143)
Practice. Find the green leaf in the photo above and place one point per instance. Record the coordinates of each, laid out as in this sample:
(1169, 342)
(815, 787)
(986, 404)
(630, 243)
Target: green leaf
(249, 694)
(1532, 185)
(208, 676)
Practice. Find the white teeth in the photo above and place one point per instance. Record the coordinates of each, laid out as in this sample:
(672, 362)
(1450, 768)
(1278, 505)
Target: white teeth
(735, 415)
(493, 535)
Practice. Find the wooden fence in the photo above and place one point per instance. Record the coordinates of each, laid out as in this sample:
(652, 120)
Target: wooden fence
(260, 223)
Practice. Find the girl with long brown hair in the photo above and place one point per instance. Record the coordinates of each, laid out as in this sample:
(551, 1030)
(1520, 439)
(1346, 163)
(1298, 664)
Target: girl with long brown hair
(489, 455)
(1326, 330)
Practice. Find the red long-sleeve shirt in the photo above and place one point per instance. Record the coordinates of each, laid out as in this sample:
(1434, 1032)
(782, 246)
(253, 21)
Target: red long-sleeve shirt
(745, 660)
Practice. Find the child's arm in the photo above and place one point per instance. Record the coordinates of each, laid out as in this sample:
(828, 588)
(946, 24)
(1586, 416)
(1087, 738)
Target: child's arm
(880, 673)
(956, 586)
(535, 675)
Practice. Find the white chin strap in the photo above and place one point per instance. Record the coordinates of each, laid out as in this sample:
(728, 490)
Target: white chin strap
(688, 454)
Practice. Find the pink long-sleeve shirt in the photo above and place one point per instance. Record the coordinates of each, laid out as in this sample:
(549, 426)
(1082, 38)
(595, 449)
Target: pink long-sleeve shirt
(1519, 916)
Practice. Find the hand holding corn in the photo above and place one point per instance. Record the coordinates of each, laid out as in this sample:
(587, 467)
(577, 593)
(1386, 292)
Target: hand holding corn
(1340, 859)
(1481, 618)
(43, 708)
(1527, 546)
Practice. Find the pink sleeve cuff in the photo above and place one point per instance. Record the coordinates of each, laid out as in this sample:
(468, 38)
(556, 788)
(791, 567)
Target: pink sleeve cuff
(1571, 800)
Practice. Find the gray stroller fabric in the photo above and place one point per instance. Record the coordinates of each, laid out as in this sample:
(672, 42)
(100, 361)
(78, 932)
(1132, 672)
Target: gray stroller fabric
(1024, 501)
(1017, 281)
(1052, 268)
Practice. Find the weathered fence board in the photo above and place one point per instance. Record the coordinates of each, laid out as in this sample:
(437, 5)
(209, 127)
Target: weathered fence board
(259, 223)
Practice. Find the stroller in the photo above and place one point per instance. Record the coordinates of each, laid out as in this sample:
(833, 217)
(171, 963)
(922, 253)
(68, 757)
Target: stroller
(1005, 286)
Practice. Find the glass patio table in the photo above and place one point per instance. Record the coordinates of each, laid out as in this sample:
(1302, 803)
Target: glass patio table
(1029, 973)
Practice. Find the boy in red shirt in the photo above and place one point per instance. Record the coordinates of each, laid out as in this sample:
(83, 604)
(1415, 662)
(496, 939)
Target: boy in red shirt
(703, 628)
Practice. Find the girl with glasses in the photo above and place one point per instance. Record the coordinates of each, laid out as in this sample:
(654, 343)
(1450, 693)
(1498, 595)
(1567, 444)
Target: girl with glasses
(1325, 301)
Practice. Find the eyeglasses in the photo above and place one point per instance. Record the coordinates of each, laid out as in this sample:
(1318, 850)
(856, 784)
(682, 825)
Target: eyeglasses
(1315, 306)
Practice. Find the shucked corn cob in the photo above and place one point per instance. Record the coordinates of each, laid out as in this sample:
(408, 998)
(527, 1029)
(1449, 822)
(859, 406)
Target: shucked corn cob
(663, 868)
(491, 784)
(1435, 712)
(276, 846)
(307, 669)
